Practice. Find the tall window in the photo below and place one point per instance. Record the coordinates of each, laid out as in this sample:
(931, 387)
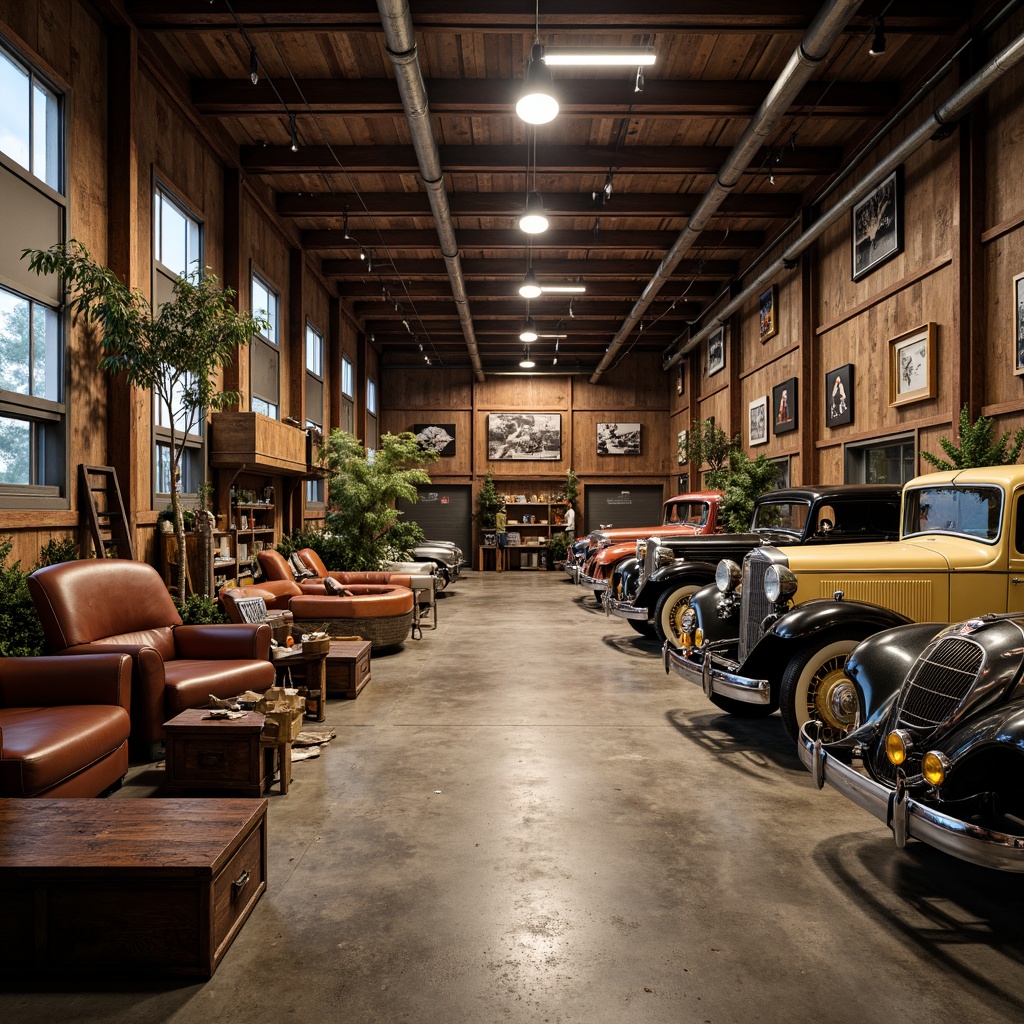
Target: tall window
(33, 414)
(177, 252)
(314, 400)
(348, 394)
(265, 352)
(887, 461)
(371, 413)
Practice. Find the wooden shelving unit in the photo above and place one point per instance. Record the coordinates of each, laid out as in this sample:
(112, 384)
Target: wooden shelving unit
(252, 531)
(534, 521)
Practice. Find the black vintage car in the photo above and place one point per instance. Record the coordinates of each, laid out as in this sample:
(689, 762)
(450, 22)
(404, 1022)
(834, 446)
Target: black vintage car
(653, 590)
(940, 756)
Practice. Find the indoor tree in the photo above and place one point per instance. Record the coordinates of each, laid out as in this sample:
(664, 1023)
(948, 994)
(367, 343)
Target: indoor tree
(488, 503)
(175, 352)
(977, 446)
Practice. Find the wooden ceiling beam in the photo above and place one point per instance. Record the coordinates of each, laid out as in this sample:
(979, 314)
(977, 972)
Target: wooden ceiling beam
(592, 269)
(371, 290)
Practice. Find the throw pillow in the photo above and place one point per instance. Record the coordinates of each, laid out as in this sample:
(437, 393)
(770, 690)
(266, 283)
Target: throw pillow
(334, 587)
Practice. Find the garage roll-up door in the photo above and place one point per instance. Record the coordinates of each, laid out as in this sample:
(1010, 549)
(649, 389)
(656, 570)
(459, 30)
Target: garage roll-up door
(444, 513)
(623, 505)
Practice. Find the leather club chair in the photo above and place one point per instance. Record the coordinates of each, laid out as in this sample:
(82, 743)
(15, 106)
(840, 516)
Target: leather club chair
(98, 606)
(276, 569)
(64, 725)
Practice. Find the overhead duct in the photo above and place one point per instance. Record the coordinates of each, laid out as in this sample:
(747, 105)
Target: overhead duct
(812, 50)
(400, 37)
(949, 113)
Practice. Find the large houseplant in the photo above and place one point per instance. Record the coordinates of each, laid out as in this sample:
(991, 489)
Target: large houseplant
(176, 351)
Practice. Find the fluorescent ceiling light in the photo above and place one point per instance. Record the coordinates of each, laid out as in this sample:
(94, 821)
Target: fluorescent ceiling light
(534, 221)
(563, 289)
(599, 56)
(530, 288)
(552, 335)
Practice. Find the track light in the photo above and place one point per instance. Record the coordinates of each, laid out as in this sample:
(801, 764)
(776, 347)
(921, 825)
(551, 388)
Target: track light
(345, 236)
(534, 221)
(254, 71)
(526, 362)
(528, 332)
(369, 263)
(530, 288)
(294, 133)
(878, 43)
(598, 56)
(537, 103)
(362, 254)
(639, 85)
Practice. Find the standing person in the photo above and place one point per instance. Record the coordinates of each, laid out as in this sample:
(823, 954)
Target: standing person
(570, 527)
(501, 525)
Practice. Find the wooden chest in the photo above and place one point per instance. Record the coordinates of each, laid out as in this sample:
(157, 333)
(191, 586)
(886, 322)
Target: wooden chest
(348, 667)
(117, 887)
(204, 753)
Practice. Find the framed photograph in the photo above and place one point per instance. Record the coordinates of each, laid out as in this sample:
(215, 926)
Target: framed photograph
(757, 421)
(682, 483)
(839, 396)
(683, 447)
(524, 435)
(767, 303)
(784, 410)
(716, 351)
(618, 439)
(436, 437)
(877, 226)
(680, 380)
(1018, 323)
(912, 366)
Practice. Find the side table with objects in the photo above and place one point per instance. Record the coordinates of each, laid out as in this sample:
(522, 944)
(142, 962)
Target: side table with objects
(217, 753)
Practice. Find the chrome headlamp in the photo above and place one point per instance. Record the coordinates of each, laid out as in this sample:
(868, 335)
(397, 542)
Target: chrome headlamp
(727, 575)
(779, 583)
(664, 556)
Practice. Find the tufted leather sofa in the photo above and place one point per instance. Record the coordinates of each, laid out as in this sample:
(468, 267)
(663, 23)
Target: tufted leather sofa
(100, 606)
(64, 725)
(276, 569)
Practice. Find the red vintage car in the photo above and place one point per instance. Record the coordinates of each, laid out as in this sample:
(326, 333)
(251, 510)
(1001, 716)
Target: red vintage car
(685, 515)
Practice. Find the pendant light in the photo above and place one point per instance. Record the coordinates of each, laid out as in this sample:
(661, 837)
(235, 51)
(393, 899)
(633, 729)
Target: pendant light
(526, 362)
(537, 103)
(530, 288)
(528, 332)
(534, 220)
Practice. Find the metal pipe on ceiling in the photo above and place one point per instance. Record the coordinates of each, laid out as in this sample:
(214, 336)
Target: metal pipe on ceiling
(819, 38)
(400, 37)
(938, 122)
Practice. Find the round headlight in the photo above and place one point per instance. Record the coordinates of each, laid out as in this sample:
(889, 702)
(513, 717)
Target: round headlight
(779, 583)
(727, 575)
(664, 556)
(688, 620)
(934, 766)
(897, 746)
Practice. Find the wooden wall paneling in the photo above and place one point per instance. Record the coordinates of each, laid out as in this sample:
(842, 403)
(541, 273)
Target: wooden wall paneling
(656, 454)
(804, 469)
(1003, 260)
(293, 382)
(460, 464)
(334, 349)
(423, 389)
(635, 383)
(237, 374)
(1004, 134)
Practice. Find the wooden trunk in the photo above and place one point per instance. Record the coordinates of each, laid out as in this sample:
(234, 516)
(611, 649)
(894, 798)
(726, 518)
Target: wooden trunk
(204, 753)
(348, 667)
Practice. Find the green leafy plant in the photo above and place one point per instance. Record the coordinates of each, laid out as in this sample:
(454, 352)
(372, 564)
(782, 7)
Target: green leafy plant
(21, 632)
(977, 446)
(361, 496)
(176, 352)
(748, 480)
(710, 446)
(331, 549)
(488, 503)
(57, 550)
(197, 610)
(557, 547)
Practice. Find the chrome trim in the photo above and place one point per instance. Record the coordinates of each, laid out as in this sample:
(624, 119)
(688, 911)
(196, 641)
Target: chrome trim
(958, 838)
(624, 610)
(591, 582)
(717, 680)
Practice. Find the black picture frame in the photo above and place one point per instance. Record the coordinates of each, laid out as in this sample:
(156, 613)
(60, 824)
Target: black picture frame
(785, 403)
(767, 313)
(524, 436)
(436, 437)
(716, 351)
(838, 403)
(876, 225)
(1018, 324)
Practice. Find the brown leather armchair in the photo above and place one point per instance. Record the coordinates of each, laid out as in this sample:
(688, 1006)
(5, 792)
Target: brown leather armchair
(64, 725)
(101, 605)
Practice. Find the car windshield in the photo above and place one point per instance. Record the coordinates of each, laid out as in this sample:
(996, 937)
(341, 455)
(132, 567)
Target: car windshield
(787, 516)
(967, 511)
(689, 513)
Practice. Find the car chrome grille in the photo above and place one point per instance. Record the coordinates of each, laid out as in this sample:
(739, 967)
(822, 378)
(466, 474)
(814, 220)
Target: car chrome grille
(754, 606)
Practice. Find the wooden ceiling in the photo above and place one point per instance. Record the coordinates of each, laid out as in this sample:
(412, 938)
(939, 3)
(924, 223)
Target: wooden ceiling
(657, 149)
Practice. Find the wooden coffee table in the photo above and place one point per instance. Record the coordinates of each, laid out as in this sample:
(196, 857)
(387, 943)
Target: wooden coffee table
(115, 887)
(217, 754)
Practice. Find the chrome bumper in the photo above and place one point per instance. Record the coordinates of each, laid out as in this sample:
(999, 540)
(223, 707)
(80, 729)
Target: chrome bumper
(716, 680)
(591, 583)
(907, 817)
(572, 571)
(623, 609)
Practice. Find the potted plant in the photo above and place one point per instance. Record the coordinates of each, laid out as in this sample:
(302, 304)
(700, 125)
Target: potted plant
(488, 503)
(176, 351)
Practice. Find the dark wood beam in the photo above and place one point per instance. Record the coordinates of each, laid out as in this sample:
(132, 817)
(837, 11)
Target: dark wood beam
(666, 98)
(371, 290)
(489, 204)
(634, 159)
(592, 269)
(503, 307)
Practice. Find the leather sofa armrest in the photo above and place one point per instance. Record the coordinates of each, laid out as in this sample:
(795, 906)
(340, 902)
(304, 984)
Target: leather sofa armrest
(223, 641)
(59, 680)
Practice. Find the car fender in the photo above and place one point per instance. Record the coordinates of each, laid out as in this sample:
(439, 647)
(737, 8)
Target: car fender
(817, 615)
(1001, 727)
(716, 613)
(625, 573)
(672, 576)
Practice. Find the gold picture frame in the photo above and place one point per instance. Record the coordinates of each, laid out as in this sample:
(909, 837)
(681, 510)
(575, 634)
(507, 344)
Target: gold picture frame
(912, 364)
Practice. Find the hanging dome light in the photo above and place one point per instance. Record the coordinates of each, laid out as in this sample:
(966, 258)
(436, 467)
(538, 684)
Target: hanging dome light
(529, 331)
(526, 362)
(537, 103)
(534, 220)
(530, 288)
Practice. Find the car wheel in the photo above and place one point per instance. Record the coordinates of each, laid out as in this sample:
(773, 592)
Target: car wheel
(815, 687)
(669, 610)
(741, 709)
(645, 628)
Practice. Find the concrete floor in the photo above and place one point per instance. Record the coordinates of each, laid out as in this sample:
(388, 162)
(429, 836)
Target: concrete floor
(523, 819)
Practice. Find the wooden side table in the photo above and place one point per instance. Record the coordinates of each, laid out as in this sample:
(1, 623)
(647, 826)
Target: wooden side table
(217, 754)
(312, 671)
(348, 667)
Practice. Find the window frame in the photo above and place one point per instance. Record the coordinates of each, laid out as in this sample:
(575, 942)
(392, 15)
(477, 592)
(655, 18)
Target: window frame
(855, 456)
(348, 395)
(261, 341)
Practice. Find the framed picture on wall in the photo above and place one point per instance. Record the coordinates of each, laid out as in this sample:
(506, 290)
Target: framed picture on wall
(618, 439)
(682, 483)
(524, 435)
(767, 303)
(680, 379)
(716, 351)
(757, 421)
(436, 437)
(877, 225)
(839, 396)
(912, 366)
(784, 406)
(683, 447)
(1018, 323)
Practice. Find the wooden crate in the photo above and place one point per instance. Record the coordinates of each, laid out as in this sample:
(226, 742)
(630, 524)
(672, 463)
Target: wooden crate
(348, 667)
(204, 753)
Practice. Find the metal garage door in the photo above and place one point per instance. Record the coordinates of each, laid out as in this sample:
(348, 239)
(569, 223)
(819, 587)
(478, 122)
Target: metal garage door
(444, 512)
(622, 505)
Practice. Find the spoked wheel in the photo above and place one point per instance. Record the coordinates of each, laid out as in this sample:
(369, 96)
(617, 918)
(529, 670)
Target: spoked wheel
(815, 688)
(669, 611)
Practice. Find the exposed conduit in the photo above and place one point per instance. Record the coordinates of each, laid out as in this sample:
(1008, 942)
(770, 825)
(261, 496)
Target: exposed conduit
(401, 46)
(812, 50)
(949, 113)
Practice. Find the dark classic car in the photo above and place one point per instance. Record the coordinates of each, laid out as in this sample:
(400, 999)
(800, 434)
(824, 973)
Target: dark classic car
(776, 633)
(653, 590)
(940, 756)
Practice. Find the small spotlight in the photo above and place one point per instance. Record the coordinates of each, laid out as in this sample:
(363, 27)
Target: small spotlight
(294, 133)
(254, 71)
(878, 42)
